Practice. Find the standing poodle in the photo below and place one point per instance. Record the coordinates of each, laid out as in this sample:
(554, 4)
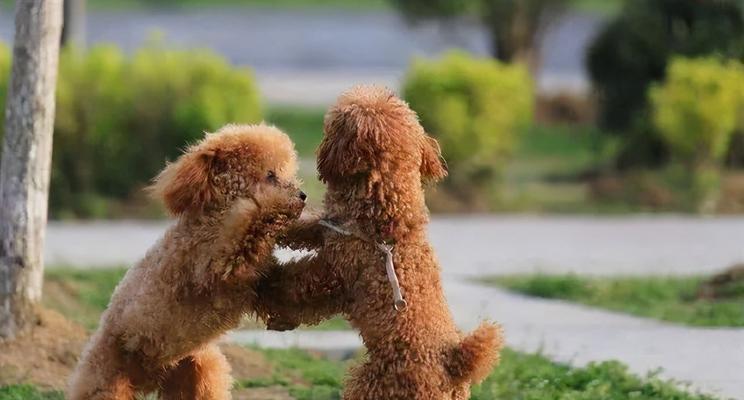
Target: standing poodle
(233, 193)
(374, 158)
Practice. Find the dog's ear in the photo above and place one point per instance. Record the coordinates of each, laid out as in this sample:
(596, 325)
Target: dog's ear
(184, 185)
(432, 163)
(344, 150)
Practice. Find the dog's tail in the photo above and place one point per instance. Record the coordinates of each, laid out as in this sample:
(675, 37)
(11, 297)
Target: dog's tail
(471, 360)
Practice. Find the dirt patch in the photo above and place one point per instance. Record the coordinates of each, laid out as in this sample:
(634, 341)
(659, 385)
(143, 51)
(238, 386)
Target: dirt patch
(45, 356)
(246, 363)
(727, 284)
(64, 297)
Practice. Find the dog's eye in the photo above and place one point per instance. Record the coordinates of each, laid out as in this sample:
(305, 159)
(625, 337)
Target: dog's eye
(271, 176)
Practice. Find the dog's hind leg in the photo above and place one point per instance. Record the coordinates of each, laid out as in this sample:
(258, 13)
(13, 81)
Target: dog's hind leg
(101, 374)
(204, 375)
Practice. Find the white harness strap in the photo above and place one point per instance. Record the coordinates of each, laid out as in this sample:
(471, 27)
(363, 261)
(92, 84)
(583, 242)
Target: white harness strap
(399, 303)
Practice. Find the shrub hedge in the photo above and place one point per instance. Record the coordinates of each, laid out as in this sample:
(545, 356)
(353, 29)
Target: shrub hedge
(698, 108)
(632, 51)
(475, 107)
(119, 118)
(696, 112)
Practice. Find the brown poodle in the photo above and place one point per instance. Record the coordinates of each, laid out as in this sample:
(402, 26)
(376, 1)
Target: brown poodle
(233, 193)
(374, 158)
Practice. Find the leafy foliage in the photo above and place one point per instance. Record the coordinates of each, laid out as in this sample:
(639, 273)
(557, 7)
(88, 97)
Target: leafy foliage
(668, 298)
(118, 119)
(633, 50)
(475, 108)
(696, 112)
(698, 107)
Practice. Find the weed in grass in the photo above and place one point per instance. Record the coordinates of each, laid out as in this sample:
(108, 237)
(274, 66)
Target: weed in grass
(673, 299)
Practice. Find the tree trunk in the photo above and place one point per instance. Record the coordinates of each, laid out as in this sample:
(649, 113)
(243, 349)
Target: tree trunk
(26, 160)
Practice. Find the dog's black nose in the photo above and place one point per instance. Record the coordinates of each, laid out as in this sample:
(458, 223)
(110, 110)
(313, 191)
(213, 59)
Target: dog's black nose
(303, 196)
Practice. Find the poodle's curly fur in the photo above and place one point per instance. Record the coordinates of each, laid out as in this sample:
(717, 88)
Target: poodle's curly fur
(374, 158)
(232, 194)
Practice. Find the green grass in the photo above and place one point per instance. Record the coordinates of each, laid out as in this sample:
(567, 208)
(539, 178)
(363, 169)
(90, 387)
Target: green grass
(304, 125)
(672, 299)
(80, 294)
(545, 173)
(28, 392)
(605, 7)
(83, 294)
(519, 377)
(306, 376)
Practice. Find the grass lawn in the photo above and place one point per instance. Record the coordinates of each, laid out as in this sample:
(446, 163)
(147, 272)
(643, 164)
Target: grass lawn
(520, 376)
(28, 392)
(83, 294)
(303, 124)
(544, 174)
(672, 299)
(299, 375)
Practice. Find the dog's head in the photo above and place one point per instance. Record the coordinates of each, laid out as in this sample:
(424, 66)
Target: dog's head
(228, 164)
(372, 135)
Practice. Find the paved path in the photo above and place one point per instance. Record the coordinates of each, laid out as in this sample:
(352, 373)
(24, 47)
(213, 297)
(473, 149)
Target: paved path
(477, 245)
(710, 359)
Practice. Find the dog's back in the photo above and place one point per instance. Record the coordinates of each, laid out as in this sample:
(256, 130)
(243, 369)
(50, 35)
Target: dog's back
(375, 158)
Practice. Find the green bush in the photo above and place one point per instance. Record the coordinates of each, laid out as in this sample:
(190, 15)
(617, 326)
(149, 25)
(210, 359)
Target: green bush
(118, 118)
(474, 107)
(632, 51)
(696, 111)
(697, 108)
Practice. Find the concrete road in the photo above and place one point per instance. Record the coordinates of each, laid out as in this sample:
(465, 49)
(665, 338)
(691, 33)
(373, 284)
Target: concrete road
(481, 244)
(308, 56)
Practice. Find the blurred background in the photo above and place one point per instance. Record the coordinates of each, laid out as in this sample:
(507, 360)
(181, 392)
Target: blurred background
(542, 106)
(595, 149)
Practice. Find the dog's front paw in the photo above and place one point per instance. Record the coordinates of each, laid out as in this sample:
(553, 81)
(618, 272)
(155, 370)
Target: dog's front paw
(282, 201)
